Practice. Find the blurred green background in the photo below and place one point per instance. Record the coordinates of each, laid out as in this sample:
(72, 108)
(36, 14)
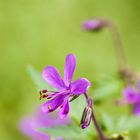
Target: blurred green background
(42, 32)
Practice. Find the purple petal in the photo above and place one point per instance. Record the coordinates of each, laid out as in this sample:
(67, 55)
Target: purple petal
(59, 139)
(50, 119)
(29, 127)
(51, 75)
(130, 95)
(136, 109)
(80, 86)
(64, 110)
(53, 104)
(70, 65)
(40, 136)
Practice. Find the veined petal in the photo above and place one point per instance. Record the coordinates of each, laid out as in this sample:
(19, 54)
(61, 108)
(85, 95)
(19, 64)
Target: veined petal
(64, 110)
(51, 75)
(80, 86)
(130, 95)
(70, 65)
(53, 104)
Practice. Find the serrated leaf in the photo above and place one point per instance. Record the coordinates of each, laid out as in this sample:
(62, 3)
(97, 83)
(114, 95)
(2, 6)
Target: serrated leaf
(134, 124)
(38, 80)
(69, 131)
(122, 124)
(107, 121)
(131, 124)
(106, 89)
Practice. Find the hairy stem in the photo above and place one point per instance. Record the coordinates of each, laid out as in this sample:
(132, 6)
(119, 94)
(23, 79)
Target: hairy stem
(117, 43)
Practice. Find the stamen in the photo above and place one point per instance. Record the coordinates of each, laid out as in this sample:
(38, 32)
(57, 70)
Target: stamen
(43, 94)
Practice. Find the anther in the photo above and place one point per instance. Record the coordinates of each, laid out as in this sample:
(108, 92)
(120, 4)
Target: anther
(43, 94)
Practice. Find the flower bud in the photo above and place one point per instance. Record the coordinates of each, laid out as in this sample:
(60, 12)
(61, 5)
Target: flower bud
(86, 117)
(93, 25)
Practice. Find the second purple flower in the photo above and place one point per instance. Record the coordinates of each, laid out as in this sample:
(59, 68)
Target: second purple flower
(65, 88)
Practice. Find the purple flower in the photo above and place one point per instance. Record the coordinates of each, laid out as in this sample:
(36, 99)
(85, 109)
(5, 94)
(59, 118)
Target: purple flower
(93, 24)
(65, 88)
(30, 125)
(132, 96)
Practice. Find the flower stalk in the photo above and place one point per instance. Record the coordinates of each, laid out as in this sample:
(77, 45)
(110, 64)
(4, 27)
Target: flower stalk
(117, 43)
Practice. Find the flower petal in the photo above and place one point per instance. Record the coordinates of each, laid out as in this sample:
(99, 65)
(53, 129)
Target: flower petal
(136, 109)
(51, 75)
(130, 95)
(53, 104)
(64, 110)
(70, 65)
(80, 86)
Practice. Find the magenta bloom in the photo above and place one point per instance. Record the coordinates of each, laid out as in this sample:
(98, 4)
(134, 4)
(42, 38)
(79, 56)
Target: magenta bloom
(132, 96)
(65, 88)
(30, 125)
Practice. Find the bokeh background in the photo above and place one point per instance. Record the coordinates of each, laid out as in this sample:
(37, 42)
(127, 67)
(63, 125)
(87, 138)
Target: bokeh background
(42, 32)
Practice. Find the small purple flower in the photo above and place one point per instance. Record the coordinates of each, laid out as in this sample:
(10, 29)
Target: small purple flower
(93, 24)
(132, 96)
(65, 88)
(29, 125)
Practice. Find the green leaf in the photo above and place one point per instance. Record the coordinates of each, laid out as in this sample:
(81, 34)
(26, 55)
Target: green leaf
(107, 121)
(133, 124)
(122, 124)
(38, 80)
(77, 108)
(107, 88)
(69, 131)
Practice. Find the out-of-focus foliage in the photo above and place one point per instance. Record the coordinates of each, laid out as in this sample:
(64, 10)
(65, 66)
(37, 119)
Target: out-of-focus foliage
(73, 131)
(42, 32)
(106, 88)
(121, 123)
(38, 80)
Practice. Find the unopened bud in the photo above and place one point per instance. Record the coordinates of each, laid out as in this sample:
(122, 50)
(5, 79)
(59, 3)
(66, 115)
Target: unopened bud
(86, 117)
(93, 25)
